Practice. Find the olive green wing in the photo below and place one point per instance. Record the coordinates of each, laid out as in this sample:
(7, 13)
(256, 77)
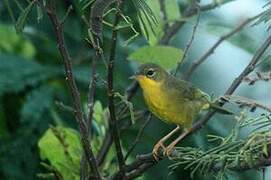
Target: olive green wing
(185, 90)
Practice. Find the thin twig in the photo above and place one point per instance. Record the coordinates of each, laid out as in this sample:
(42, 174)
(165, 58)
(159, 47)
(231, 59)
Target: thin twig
(65, 107)
(138, 137)
(237, 81)
(113, 121)
(107, 142)
(58, 28)
(189, 44)
(132, 89)
(142, 163)
(91, 99)
(246, 102)
(260, 76)
(198, 62)
(136, 166)
(91, 92)
(188, 12)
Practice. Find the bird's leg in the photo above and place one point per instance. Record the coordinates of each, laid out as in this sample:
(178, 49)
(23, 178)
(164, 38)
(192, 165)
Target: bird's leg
(170, 147)
(160, 143)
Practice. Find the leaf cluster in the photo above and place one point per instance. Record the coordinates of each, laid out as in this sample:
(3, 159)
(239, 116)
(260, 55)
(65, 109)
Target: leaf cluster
(231, 152)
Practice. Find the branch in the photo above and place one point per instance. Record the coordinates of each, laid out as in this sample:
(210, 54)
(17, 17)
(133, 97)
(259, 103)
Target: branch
(91, 92)
(246, 102)
(132, 89)
(187, 47)
(107, 142)
(260, 76)
(113, 121)
(148, 161)
(139, 166)
(188, 12)
(91, 96)
(237, 81)
(58, 28)
(198, 62)
(139, 135)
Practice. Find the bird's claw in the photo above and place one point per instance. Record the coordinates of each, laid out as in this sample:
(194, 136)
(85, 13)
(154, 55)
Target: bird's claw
(168, 151)
(155, 151)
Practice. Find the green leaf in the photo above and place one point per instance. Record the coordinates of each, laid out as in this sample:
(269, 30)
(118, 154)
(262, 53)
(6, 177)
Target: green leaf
(165, 56)
(98, 111)
(100, 122)
(62, 148)
(172, 10)
(14, 43)
(43, 96)
(19, 26)
(154, 32)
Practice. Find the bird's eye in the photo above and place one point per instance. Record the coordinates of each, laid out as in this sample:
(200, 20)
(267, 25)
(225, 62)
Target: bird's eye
(150, 73)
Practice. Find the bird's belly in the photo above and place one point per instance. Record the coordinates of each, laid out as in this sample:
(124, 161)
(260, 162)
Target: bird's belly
(168, 111)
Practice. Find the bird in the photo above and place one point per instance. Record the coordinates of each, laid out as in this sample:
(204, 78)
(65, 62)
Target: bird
(173, 101)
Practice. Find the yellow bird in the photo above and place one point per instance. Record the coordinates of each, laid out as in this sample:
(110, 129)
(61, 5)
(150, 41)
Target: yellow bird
(171, 100)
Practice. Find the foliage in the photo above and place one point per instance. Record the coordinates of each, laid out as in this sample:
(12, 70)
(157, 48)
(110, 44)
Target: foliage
(15, 44)
(38, 132)
(166, 57)
(230, 152)
(61, 146)
(153, 29)
(265, 17)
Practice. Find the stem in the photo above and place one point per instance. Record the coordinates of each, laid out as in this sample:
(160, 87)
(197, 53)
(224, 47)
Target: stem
(107, 142)
(58, 28)
(138, 137)
(189, 44)
(202, 59)
(188, 12)
(113, 121)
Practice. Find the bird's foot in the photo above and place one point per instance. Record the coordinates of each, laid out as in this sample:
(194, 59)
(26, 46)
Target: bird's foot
(156, 148)
(169, 150)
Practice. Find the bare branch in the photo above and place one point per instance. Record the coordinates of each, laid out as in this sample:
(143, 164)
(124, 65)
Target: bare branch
(260, 76)
(198, 62)
(237, 81)
(188, 12)
(58, 28)
(132, 89)
(189, 44)
(113, 125)
(91, 92)
(107, 142)
(138, 137)
(246, 102)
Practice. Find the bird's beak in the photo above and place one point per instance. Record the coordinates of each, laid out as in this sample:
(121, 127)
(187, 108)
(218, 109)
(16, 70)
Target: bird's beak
(133, 77)
(136, 77)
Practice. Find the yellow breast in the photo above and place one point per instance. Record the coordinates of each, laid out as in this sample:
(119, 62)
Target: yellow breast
(161, 105)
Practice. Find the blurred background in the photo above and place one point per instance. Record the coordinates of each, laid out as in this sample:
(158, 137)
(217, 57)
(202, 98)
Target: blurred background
(32, 81)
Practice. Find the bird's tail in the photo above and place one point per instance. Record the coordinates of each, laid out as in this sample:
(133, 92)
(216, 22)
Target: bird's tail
(219, 109)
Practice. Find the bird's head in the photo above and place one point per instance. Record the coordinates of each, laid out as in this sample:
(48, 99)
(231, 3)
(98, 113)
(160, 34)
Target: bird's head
(150, 74)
